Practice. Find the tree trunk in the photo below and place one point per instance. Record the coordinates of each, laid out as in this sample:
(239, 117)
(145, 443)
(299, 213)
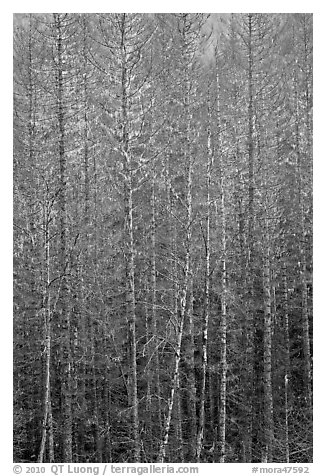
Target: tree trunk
(175, 381)
(178, 425)
(287, 368)
(155, 369)
(129, 242)
(47, 430)
(65, 313)
(249, 355)
(223, 321)
(223, 329)
(149, 383)
(268, 390)
(201, 421)
(189, 341)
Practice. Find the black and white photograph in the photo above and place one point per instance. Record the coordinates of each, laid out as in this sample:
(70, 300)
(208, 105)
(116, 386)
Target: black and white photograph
(163, 238)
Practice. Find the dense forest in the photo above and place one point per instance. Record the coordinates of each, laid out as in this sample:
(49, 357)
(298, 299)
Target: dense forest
(162, 237)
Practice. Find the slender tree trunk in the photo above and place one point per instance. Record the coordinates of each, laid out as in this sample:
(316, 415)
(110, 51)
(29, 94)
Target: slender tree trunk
(153, 334)
(107, 451)
(83, 280)
(130, 248)
(31, 126)
(178, 412)
(149, 383)
(31, 246)
(212, 404)
(175, 381)
(189, 341)
(65, 317)
(47, 430)
(268, 390)
(268, 410)
(223, 321)
(287, 368)
(190, 378)
(95, 393)
(174, 307)
(223, 329)
(178, 424)
(174, 401)
(250, 319)
(201, 422)
(131, 302)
